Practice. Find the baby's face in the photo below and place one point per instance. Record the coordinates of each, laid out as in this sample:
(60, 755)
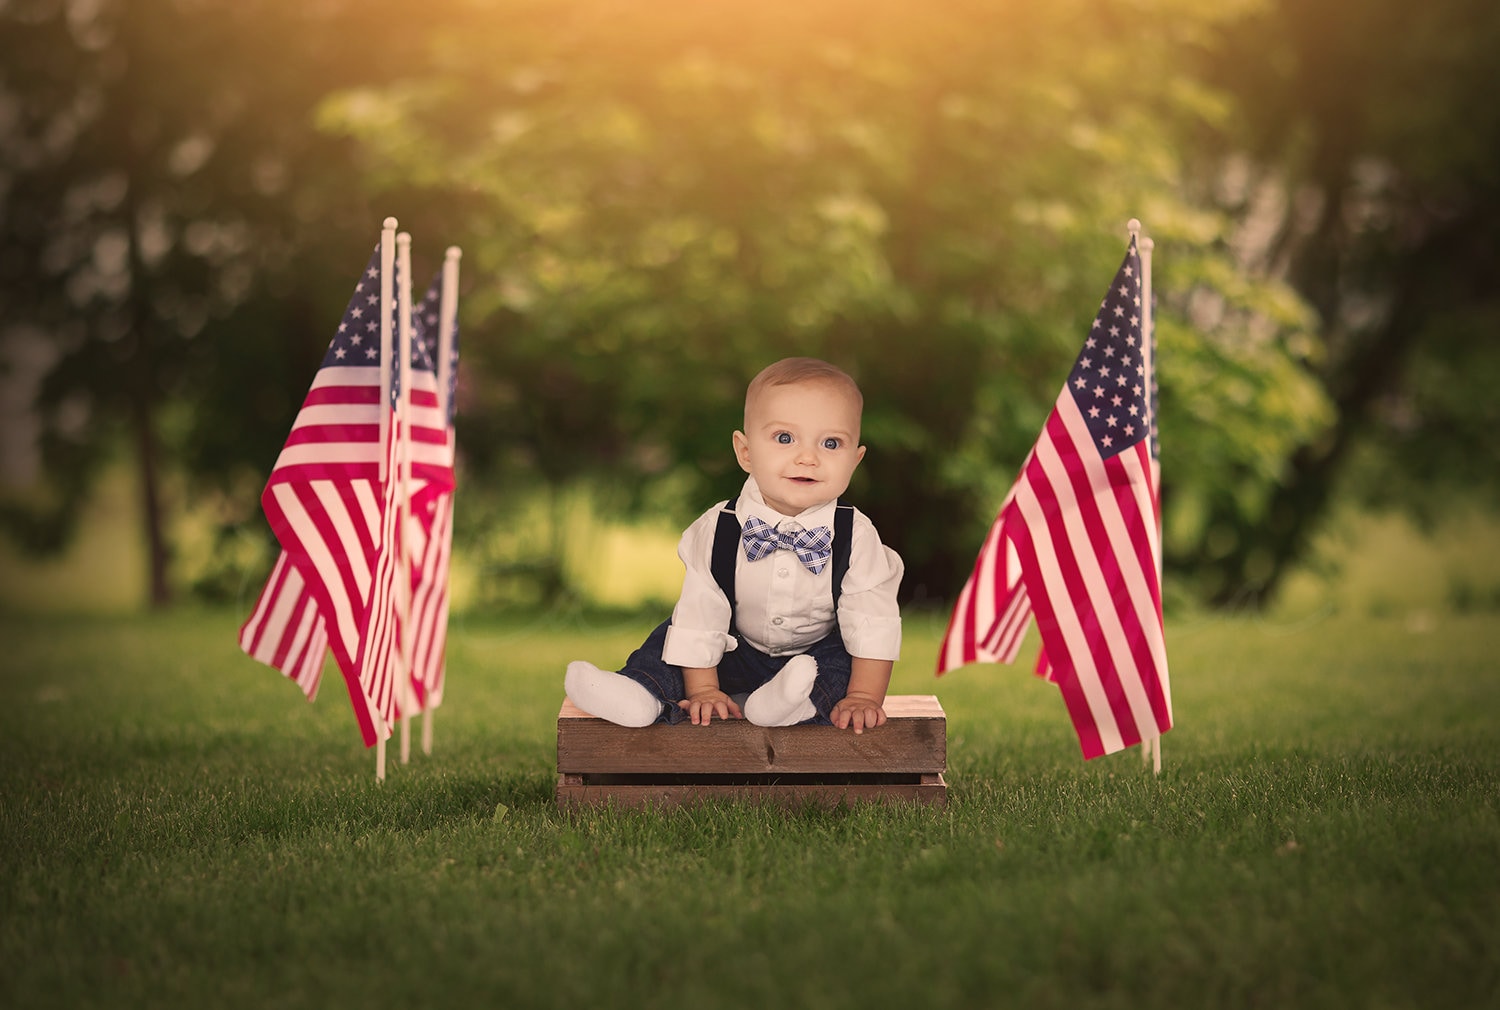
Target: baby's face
(800, 443)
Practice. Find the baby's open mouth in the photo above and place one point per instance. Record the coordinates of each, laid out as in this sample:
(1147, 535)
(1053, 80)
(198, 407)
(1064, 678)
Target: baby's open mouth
(803, 480)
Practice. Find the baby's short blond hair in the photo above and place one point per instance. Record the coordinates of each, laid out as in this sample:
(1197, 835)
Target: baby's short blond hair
(790, 371)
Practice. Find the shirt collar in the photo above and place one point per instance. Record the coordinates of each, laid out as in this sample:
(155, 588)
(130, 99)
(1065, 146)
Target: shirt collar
(818, 515)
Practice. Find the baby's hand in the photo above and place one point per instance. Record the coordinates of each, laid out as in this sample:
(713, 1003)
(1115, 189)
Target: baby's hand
(862, 711)
(704, 704)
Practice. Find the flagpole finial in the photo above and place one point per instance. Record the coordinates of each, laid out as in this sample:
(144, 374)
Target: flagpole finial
(389, 224)
(454, 252)
(404, 239)
(1147, 245)
(1133, 226)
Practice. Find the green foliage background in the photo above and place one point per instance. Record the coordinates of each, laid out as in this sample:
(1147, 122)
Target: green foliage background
(657, 199)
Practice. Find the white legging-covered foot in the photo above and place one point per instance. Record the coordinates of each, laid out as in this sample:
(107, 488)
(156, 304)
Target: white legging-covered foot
(785, 699)
(610, 696)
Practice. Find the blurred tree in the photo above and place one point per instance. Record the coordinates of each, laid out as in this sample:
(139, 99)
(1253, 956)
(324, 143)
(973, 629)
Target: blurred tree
(173, 227)
(657, 199)
(1364, 174)
(678, 193)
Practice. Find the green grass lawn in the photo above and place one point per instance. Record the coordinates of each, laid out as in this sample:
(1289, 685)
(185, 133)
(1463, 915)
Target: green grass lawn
(179, 827)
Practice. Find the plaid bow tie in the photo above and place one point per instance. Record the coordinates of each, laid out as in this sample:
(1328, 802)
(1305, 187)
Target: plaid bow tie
(813, 547)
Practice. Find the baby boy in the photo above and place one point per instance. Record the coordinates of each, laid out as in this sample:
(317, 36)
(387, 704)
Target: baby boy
(788, 609)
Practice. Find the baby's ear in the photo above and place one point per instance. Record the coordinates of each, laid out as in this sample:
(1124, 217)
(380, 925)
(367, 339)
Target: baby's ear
(742, 450)
(859, 455)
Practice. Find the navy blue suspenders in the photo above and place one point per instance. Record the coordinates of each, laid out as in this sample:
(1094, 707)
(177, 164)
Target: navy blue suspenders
(727, 547)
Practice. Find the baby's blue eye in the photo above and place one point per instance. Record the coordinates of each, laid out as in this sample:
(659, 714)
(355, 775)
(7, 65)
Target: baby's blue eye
(784, 437)
(830, 443)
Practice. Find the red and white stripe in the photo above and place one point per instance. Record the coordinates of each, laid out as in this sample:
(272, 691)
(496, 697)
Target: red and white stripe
(331, 502)
(324, 499)
(990, 618)
(430, 605)
(373, 687)
(1084, 530)
(429, 538)
(335, 517)
(1077, 542)
(285, 630)
(430, 488)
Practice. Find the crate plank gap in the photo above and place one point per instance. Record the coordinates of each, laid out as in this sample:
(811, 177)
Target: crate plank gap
(600, 763)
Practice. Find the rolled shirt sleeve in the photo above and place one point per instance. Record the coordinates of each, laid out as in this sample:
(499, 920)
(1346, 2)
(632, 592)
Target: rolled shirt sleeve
(698, 637)
(869, 617)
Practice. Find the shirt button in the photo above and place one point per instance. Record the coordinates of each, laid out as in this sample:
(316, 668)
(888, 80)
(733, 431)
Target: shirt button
(782, 573)
(776, 620)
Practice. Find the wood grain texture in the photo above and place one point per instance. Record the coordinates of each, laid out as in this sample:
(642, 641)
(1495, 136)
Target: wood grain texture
(928, 790)
(901, 762)
(914, 739)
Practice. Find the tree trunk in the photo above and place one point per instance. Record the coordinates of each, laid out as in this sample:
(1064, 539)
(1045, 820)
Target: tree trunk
(1424, 279)
(152, 512)
(140, 372)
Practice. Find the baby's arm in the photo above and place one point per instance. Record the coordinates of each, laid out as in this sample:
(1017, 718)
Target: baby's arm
(870, 620)
(863, 707)
(701, 685)
(699, 621)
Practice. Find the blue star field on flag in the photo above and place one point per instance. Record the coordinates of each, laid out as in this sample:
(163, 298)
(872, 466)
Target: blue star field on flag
(426, 323)
(1108, 380)
(424, 330)
(356, 343)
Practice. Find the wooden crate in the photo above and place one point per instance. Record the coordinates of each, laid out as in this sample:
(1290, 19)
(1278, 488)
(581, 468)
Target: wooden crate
(902, 761)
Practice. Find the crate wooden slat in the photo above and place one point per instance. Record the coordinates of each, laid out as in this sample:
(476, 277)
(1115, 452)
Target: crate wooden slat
(904, 760)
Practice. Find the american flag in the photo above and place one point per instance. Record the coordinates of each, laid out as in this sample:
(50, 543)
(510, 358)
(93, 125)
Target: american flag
(426, 515)
(429, 523)
(331, 502)
(1076, 542)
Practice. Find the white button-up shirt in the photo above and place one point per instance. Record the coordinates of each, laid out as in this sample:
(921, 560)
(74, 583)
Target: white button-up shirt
(781, 607)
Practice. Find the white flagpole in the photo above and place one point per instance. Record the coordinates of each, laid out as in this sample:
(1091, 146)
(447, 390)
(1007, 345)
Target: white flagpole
(1151, 752)
(1151, 746)
(405, 697)
(1148, 355)
(387, 265)
(447, 313)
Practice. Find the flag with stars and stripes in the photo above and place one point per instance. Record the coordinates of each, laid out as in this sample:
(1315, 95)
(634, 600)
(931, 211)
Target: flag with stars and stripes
(1076, 541)
(430, 527)
(331, 501)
